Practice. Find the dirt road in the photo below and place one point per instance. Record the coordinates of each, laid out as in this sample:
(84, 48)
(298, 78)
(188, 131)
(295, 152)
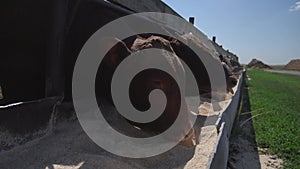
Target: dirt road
(288, 72)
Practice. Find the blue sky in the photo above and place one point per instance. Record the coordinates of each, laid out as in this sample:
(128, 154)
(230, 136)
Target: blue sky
(266, 30)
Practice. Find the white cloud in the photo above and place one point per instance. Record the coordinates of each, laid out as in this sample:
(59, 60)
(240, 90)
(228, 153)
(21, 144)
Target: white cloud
(295, 7)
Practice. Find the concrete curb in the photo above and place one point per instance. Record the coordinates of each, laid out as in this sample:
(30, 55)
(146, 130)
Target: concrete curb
(224, 126)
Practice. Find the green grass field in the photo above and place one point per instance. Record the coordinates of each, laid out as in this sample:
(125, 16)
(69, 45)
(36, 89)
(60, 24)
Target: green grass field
(275, 105)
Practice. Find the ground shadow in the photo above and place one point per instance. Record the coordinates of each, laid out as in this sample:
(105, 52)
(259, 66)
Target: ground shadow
(243, 151)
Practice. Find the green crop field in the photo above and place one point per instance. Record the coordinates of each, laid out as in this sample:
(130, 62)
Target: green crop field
(275, 105)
